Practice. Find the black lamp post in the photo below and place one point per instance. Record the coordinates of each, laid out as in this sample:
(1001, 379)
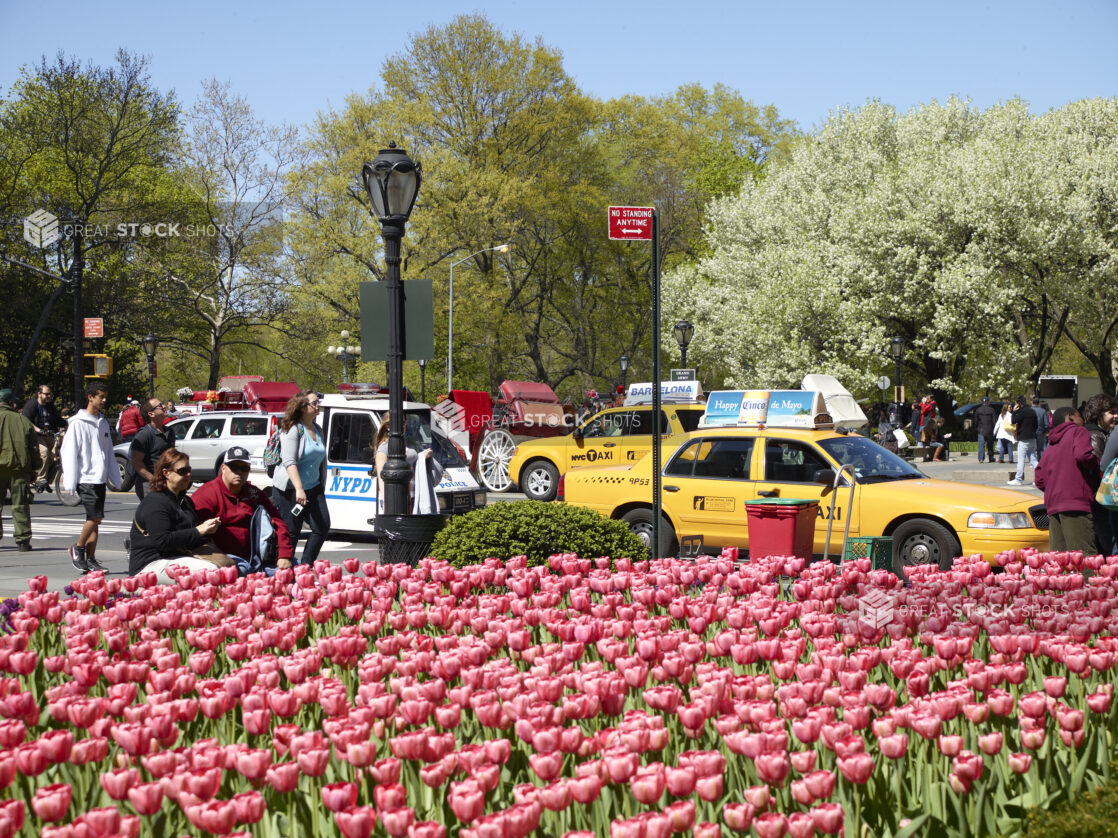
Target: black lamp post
(423, 379)
(683, 332)
(623, 361)
(392, 180)
(150, 344)
(896, 349)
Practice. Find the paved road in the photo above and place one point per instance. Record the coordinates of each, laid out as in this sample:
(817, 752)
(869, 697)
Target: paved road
(55, 527)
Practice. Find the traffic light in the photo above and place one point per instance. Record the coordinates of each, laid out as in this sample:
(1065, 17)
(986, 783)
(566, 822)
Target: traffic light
(102, 366)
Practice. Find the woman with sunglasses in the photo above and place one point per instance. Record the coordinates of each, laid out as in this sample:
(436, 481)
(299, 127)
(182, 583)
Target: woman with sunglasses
(299, 484)
(165, 530)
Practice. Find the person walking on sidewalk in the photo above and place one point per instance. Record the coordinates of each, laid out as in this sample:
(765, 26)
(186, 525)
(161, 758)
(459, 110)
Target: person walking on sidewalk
(149, 443)
(299, 484)
(1004, 432)
(19, 459)
(1043, 425)
(88, 464)
(42, 413)
(1026, 421)
(985, 417)
(1069, 475)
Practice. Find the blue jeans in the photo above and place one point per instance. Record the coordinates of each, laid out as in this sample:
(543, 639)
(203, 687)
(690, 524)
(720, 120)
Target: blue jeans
(1005, 450)
(985, 443)
(315, 511)
(1026, 450)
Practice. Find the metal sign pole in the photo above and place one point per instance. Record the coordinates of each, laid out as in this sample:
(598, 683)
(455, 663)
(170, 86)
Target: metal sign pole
(656, 395)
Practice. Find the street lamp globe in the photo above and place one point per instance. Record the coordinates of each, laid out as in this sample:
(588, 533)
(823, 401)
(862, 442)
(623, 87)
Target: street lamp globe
(150, 343)
(683, 332)
(392, 180)
(624, 362)
(896, 347)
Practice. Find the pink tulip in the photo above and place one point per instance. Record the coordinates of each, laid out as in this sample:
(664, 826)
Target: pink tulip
(51, 803)
(990, 743)
(427, 829)
(1055, 686)
(828, 818)
(398, 821)
(738, 816)
(771, 825)
(709, 788)
(356, 821)
(586, 790)
(772, 768)
(117, 783)
(648, 786)
(706, 829)
(466, 801)
(856, 768)
(949, 746)
(338, 797)
(146, 798)
(1019, 763)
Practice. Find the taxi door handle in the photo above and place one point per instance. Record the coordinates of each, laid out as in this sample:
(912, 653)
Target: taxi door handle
(768, 493)
(671, 488)
(609, 445)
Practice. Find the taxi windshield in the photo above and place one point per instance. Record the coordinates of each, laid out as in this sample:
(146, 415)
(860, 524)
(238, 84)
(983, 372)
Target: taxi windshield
(871, 462)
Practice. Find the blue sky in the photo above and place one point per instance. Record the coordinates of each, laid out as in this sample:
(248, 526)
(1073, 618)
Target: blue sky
(293, 59)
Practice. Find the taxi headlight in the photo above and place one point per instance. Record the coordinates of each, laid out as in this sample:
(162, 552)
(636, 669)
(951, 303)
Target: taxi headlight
(479, 499)
(998, 521)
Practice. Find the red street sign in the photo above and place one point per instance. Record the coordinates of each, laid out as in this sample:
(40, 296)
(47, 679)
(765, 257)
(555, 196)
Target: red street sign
(631, 223)
(94, 327)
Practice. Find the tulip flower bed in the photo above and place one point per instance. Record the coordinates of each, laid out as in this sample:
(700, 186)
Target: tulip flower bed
(584, 697)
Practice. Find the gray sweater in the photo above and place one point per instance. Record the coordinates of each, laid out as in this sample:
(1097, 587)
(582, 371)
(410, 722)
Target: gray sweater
(292, 444)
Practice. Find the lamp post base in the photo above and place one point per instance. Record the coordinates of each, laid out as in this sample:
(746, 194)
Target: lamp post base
(405, 539)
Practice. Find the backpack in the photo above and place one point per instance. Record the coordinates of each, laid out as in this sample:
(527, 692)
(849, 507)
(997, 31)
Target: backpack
(1107, 494)
(272, 449)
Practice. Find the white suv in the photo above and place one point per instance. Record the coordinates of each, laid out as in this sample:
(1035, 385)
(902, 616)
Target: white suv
(206, 437)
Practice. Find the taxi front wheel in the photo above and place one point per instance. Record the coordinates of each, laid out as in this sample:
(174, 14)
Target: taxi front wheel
(923, 542)
(640, 524)
(539, 480)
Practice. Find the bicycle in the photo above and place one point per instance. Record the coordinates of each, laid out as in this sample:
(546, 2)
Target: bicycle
(54, 476)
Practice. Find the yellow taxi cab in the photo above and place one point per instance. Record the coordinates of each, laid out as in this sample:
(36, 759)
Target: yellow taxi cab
(750, 451)
(615, 435)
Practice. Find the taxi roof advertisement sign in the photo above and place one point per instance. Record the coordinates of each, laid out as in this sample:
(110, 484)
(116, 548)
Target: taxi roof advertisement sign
(794, 408)
(774, 408)
(723, 408)
(676, 391)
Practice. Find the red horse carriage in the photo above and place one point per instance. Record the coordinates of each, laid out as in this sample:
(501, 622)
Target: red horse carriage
(522, 410)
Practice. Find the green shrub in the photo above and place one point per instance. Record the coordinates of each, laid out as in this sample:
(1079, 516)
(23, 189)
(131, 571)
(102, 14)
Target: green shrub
(1093, 814)
(535, 529)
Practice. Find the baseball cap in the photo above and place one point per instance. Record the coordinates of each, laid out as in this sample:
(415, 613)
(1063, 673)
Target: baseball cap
(985, 399)
(6, 395)
(238, 454)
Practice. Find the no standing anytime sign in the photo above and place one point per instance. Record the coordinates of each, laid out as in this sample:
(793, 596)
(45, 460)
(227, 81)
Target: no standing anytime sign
(631, 223)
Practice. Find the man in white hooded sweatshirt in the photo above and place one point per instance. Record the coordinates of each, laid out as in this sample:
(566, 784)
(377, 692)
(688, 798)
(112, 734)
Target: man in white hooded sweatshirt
(88, 464)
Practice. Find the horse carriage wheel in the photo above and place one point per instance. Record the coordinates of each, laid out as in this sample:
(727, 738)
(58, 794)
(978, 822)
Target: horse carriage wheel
(494, 453)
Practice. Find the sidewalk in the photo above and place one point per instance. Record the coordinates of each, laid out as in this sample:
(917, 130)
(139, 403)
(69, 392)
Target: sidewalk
(965, 468)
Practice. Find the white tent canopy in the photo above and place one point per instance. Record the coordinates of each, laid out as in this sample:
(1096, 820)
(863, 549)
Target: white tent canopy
(840, 403)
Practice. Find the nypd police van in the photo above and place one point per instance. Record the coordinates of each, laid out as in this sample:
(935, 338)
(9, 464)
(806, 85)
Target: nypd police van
(351, 422)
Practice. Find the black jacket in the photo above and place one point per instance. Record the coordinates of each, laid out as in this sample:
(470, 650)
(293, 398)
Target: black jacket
(1025, 420)
(165, 527)
(985, 418)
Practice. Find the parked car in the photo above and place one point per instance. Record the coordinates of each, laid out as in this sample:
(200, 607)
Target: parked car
(205, 438)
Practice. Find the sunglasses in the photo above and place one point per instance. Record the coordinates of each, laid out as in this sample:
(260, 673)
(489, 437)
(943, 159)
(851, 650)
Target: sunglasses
(313, 404)
(183, 470)
(239, 468)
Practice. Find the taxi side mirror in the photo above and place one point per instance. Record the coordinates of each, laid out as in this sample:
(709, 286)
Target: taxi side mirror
(577, 432)
(825, 476)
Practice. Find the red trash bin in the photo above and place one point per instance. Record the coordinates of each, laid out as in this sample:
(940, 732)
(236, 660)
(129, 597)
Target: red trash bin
(781, 527)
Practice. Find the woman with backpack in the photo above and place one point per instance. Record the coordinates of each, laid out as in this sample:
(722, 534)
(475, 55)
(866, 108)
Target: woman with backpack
(299, 483)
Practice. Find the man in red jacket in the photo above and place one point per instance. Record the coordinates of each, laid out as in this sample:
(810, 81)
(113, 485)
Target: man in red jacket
(230, 497)
(1068, 474)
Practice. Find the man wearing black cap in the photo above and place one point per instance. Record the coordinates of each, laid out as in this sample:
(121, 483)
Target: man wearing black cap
(19, 458)
(230, 497)
(149, 443)
(985, 417)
